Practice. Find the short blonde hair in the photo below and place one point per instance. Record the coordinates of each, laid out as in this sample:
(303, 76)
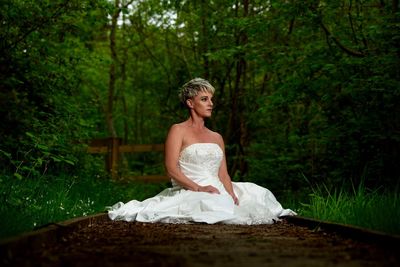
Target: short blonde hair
(193, 87)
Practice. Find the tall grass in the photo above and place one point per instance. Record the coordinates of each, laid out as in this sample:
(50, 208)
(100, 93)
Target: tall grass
(372, 209)
(31, 203)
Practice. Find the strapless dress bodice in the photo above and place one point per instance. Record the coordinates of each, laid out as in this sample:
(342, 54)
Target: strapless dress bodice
(200, 162)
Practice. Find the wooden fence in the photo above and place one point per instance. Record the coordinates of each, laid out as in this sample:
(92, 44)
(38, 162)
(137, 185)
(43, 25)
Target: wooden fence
(113, 148)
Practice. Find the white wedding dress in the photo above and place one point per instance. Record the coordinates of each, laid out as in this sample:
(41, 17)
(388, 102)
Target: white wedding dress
(200, 162)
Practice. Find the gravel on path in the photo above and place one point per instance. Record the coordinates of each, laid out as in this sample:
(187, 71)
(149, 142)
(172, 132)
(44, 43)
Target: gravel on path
(116, 243)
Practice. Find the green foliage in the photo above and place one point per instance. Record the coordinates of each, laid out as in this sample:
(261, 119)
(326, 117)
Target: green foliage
(303, 89)
(377, 210)
(330, 113)
(29, 204)
(43, 45)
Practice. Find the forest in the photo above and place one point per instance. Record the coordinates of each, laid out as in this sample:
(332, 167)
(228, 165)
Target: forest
(307, 100)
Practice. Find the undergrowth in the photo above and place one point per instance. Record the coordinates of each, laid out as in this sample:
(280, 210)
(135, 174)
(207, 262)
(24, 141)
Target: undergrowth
(28, 204)
(373, 209)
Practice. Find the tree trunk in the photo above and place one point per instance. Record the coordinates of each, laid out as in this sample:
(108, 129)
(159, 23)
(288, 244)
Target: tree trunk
(112, 72)
(123, 83)
(238, 125)
(395, 6)
(205, 39)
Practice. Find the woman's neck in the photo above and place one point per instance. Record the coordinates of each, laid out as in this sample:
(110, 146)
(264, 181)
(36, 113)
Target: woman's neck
(196, 122)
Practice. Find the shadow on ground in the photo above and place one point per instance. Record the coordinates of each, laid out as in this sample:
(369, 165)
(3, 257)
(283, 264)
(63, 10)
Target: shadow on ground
(111, 243)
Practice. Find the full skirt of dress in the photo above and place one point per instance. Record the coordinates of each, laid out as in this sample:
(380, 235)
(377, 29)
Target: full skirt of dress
(201, 162)
(176, 205)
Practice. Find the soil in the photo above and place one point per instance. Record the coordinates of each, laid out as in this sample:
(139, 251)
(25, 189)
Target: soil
(112, 243)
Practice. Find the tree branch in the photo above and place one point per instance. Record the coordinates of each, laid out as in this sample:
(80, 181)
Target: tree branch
(39, 24)
(339, 44)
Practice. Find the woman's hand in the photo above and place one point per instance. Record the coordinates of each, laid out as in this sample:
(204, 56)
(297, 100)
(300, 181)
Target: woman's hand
(208, 188)
(235, 199)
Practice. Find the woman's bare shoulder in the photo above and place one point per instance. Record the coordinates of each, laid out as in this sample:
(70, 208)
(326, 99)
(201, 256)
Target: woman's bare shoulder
(176, 129)
(177, 126)
(217, 137)
(215, 134)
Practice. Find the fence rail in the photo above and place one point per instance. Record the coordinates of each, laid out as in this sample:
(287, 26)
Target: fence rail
(113, 147)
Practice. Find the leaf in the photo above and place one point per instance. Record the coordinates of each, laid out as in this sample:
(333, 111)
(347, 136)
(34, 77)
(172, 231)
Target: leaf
(40, 161)
(30, 135)
(70, 162)
(42, 147)
(18, 176)
(56, 159)
(8, 155)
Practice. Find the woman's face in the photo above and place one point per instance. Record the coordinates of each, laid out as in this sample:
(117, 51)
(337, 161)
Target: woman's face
(201, 104)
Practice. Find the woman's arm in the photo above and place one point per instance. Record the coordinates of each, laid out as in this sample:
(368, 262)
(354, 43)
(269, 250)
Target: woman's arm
(173, 145)
(223, 173)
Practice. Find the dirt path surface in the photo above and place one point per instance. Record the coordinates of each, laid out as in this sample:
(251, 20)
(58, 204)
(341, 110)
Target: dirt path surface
(137, 244)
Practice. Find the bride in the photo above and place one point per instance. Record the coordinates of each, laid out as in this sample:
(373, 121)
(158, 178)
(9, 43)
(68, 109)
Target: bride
(202, 190)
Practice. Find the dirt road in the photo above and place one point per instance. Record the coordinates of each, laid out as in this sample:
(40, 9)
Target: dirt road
(137, 244)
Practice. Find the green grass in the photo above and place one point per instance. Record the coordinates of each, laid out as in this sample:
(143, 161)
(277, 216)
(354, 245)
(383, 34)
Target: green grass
(375, 210)
(31, 203)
